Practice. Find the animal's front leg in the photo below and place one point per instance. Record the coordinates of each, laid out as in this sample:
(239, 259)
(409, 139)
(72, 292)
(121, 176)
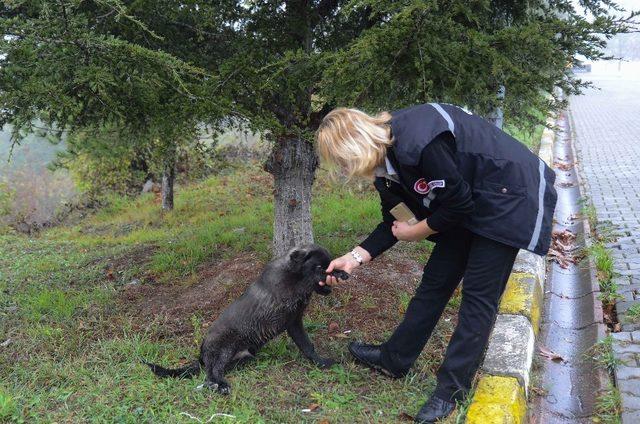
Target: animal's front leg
(216, 361)
(297, 332)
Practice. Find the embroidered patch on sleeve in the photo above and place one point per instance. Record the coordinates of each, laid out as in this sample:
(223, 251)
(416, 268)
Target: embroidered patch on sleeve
(423, 187)
(435, 184)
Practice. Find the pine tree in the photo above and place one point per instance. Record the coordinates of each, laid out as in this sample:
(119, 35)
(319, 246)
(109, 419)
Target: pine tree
(71, 64)
(283, 48)
(463, 52)
(160, 68)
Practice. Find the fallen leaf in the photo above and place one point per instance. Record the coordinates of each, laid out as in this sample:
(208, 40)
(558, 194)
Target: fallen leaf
(564, 166)
(325, 421)
(562, 248)
(538, 391)
(403, 416)
(550, 354)
(311, 408)
(340, 335)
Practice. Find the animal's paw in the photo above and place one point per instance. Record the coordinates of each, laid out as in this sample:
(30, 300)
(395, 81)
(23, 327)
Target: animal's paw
(222, 388)
(324, 363)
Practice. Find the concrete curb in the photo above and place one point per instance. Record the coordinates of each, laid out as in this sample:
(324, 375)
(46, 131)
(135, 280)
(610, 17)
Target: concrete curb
(501, 393)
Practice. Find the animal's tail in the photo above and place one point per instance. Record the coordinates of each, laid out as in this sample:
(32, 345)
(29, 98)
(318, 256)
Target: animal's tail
(185, 372)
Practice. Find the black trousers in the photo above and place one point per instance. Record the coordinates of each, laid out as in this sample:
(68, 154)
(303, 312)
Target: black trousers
(485, 266)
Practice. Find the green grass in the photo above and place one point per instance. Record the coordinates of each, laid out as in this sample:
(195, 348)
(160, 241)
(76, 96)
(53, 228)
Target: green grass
(633, 313)
(602, 354)
(530, 138)
(404, 299)
(603, 260)
(604, 272)
(608, 407)
(8, 407)
(589, 211)
(73, 353)
(608, 404)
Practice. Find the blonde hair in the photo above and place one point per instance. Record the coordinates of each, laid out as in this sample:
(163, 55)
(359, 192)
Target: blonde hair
(354, 140)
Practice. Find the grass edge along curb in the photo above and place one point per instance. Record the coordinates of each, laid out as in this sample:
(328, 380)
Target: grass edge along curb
(501, 393)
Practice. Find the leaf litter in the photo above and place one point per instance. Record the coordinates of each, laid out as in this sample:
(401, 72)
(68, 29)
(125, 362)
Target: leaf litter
(562, 248)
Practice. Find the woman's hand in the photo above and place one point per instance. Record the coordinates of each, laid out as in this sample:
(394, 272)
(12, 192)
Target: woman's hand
(346, 263)
(407, 232)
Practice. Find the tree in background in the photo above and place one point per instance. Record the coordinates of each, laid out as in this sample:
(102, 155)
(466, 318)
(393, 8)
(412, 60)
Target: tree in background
(462, 52)
(158, 69)
(90, 64)
(283, 48)
(299, 59)
(103, 162)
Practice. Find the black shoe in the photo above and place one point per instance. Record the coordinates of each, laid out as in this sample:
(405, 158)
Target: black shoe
(434, 409)
(371, 356)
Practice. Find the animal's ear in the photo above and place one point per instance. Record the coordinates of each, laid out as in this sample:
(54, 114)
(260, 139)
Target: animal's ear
(297, 257)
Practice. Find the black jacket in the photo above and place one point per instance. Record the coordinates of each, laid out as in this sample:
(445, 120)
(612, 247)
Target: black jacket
(511, 189)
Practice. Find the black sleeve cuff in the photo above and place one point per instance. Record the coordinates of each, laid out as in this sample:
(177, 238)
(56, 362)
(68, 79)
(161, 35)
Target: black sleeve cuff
(436, 223)
(379, 240)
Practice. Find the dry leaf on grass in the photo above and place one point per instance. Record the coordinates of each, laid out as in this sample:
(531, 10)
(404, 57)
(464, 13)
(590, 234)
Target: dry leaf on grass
(311, 407)
(334, 331)
(340, 335)
(403, 416)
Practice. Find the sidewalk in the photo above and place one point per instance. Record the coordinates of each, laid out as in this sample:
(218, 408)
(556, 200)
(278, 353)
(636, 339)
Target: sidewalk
(607, 138)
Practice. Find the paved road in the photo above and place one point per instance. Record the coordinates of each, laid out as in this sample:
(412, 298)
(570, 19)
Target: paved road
(607, 129)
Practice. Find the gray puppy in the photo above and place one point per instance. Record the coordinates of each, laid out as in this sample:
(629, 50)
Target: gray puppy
(271, 305)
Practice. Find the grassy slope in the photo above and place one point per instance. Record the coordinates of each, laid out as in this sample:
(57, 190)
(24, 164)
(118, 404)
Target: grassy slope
(72, 353)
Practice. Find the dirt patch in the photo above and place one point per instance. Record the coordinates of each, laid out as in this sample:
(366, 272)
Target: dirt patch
(119, 267)
(217, 285)
(368, 305)
(373, 301)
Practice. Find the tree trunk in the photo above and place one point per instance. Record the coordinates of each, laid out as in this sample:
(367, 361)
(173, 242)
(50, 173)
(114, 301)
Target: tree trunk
(293, 164)
(497, 117)
(168, 177)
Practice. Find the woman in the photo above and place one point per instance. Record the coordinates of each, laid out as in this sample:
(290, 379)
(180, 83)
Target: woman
(476, 192)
